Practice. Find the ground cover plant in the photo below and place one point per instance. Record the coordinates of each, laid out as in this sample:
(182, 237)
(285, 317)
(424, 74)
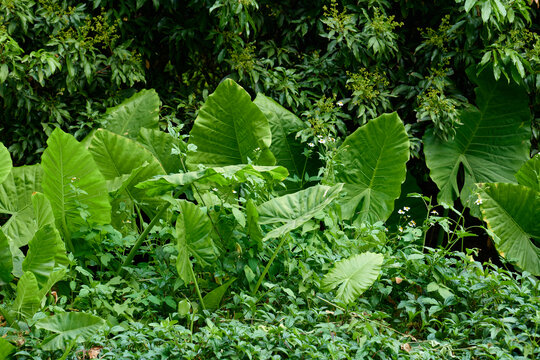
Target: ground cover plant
(308, 180)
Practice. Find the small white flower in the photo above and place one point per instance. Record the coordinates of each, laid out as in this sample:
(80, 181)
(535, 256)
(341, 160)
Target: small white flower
(400, 212)
(214, 189)
(311, 144)
(258, 149)
(412, 223)
(400, 229)
(234, 191)
(434, 212)
(74, 179)
(406, 208)
(478, 201)
(319, 136)
(339, 103)
(386, 229)
(322, 141)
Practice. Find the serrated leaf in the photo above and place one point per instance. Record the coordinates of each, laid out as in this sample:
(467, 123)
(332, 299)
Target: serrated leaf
(353, 276)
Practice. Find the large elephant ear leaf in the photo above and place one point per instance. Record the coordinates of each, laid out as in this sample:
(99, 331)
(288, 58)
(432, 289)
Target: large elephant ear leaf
(27, 301)
(72, 180)
(166, 148)
(16, 201)
(284, 125)
(5, 348)
(5, 163)
(139, 111)
(6, 262)
(42, 251)
(193, 230)
(230, 129)
(294, 210)
(491, 145)
(511, 212)
(372, 164)
(69, 326)
(529, 174)
(353, 276)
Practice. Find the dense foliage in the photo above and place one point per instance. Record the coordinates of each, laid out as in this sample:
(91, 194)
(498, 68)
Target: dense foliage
(255, 179)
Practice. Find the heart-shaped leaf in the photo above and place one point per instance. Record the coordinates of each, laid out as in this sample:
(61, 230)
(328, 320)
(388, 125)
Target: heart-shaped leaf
(293, 210)
(372, 166)
(230, 129)
(69, 326)
(511, 212)
(353, 276)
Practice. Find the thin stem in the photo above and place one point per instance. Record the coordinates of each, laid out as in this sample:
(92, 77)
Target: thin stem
(197, 286)
(261, 278)
(142, 237)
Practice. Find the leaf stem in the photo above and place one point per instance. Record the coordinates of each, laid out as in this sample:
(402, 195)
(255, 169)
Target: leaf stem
(142, 237)
(196, 286)
(261, 278)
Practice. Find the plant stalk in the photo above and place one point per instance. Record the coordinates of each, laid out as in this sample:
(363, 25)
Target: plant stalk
(261, 278)
(197, 286)
(142, 237)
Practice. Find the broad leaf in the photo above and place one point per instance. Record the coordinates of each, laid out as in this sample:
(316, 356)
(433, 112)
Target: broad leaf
(372, 167)
(353, 276)
(43, 213)
(491, 145)
(230, 129)
(6, 263)
(5, 163)
(213, 298)
(253, 228)
(117, 156)
(529, 174)
(193, 229)
(16, 201)
(293, 210)
(165, 148)
(69, 326)
(71, 180)
(511, 212)
(284, 125)
(5, 348)
(139, 111)
(26, 302)
(42, 250)
(227, 175)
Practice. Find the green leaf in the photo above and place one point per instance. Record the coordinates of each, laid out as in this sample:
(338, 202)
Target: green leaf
(72, 182)
(293, 210)
(117, 156)
(193, 229)
(491, 145)
(162, 145)
(213, 298)
(139, 111)
(5, 163)
(253, 228)
(529, 174)
(42, 251)
(353, 276)
(5, 348)
(229, 129)
(69, 326)
(43, 213)
(27, 302)
(16, 200)
(6, 262)
(372, 166)
(227, 175)
(511, 212)
(284, 125)
(53, 278)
